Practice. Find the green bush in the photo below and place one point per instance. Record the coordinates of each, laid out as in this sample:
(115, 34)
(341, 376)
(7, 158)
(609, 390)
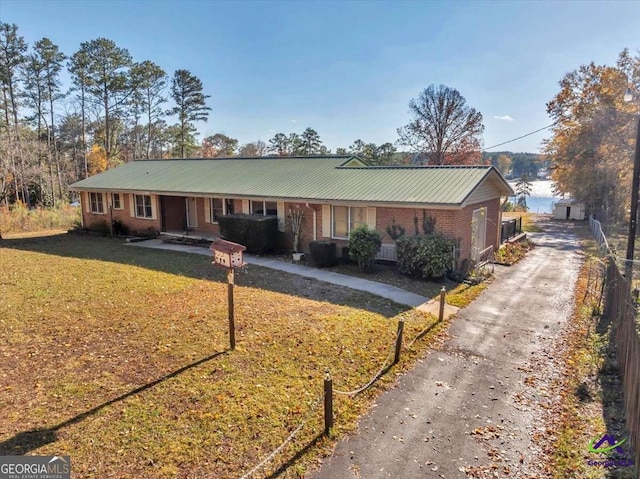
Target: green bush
(395, 231)
(364, 245)
(100, 227)
(257, 232)
(119, 228)
(323, 253)
(424, 256)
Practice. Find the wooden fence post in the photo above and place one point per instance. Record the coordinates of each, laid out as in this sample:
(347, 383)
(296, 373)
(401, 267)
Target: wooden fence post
(328, 403)
(396, 359)
(442, 298)
(232, 326)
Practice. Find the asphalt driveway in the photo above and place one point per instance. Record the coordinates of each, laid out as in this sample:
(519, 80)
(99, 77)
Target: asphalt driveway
(457, 414)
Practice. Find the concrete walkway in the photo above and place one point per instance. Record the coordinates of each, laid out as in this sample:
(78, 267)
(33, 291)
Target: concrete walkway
(392, 293)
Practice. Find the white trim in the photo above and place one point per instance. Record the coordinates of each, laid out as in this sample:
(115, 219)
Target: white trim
(189, 202)
(121, 200)
(315, 201)
(281, 216)
(326, 221)
(208, 218)
(154, 207)
(366, 214)
(103, 201)
(151, 203)
(371, 218)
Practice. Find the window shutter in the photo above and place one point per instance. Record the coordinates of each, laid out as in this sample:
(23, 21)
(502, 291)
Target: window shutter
(245, 207)
(154, 207)
(371, 218)
(281, 216)
(132, 206)
(326, 221)
(105, 202)
(207, 210)
(87, 203)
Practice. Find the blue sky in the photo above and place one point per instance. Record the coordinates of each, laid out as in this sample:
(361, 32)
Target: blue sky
(348, 69)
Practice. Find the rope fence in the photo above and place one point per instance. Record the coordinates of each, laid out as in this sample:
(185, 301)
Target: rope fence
(327, 395)
(373, 379)
(289, 438)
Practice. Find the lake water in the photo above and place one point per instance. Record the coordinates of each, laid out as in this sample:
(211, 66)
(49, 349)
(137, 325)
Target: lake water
(541, 199)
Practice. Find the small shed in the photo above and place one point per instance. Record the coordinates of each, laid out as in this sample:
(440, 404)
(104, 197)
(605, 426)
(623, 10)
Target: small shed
(569, 209)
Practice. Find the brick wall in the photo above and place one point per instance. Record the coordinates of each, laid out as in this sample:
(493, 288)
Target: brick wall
(124, 214)
(455, 224)
(306, 233)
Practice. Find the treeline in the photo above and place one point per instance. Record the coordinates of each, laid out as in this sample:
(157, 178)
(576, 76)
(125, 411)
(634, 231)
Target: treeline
(517, 165)
(116, 110)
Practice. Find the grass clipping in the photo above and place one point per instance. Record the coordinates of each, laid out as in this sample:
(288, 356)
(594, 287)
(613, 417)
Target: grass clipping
(118, 356)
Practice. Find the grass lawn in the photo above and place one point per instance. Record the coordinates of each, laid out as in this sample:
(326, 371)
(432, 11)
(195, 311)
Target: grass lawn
(118, 356)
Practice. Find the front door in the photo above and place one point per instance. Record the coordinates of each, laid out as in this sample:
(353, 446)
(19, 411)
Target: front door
(478, 233)
(192, 212)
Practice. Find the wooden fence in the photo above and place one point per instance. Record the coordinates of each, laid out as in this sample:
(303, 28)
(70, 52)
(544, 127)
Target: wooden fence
(620, 309)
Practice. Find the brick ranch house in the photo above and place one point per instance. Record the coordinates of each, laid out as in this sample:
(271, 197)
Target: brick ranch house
(335, 194)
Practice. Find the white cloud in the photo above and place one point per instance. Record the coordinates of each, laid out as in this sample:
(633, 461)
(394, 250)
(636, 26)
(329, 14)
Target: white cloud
(503, 117)
(294, 121)
(271, 130)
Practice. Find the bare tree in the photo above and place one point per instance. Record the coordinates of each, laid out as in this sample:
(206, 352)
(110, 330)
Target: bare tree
(444, 129)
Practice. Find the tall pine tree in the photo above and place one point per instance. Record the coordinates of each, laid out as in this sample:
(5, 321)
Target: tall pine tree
(186, 91)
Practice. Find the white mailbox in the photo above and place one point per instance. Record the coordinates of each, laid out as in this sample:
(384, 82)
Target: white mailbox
(228, 254)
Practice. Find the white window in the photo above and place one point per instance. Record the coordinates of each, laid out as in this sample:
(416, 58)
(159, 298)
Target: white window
(143, 206)
(217, 208)
(266, 208)
(347, 218)
(116, 201)
(220, 207)
(97, 206)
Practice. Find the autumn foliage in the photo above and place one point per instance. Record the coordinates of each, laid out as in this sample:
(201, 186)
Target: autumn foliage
(594, 135)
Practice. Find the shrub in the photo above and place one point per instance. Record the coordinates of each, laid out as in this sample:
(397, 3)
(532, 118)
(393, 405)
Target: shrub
(257, 232)
(428, 223)
(345, 257)
(395, 231)
(100, 227)
(119, 228)
(19, 218)
(364, 244)
(510, 253)
(424, 256)
(323, 253)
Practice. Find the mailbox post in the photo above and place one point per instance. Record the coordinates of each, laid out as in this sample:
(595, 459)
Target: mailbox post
(229, 255)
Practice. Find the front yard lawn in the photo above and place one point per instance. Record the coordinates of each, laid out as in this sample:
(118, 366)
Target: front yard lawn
(118, 357)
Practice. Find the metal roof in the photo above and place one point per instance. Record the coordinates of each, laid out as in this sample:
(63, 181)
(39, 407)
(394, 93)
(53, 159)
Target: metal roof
(328, 178)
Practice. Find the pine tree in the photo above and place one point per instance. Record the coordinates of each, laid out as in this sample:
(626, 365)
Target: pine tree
(186, 91)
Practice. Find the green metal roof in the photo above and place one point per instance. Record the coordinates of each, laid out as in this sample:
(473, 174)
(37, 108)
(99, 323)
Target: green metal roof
(328, 178)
